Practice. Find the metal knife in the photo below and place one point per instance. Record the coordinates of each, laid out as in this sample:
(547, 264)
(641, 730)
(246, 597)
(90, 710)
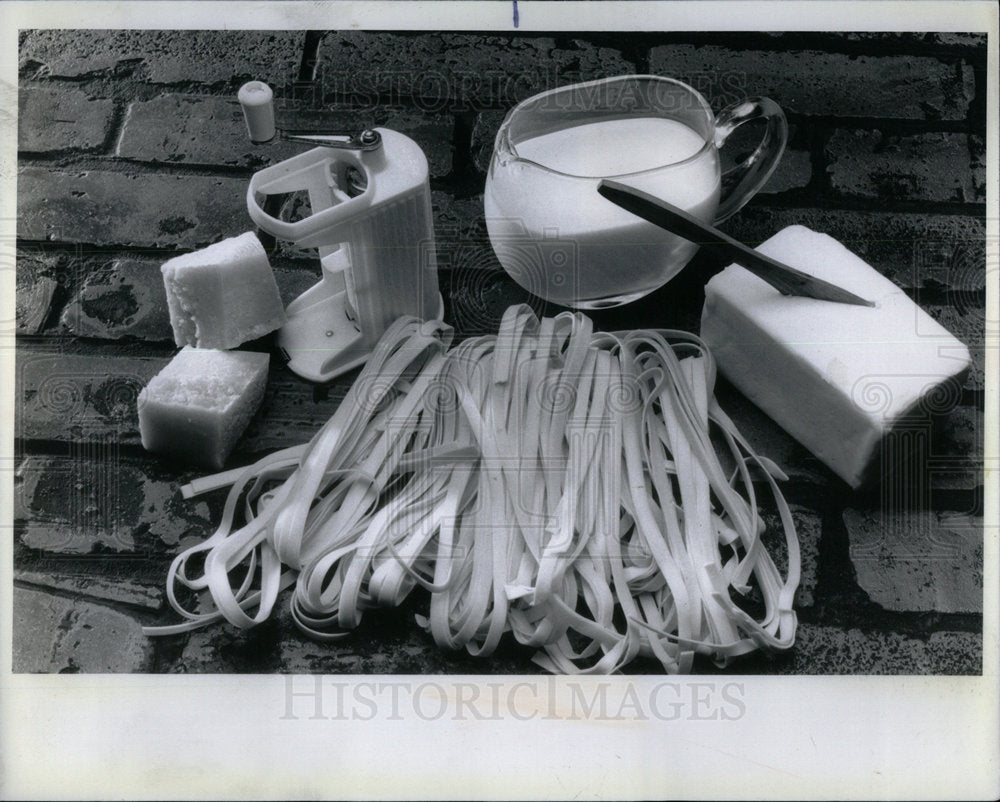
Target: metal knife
(783, 278)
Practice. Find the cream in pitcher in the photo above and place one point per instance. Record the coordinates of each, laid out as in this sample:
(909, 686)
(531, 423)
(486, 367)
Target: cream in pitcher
(653, 133)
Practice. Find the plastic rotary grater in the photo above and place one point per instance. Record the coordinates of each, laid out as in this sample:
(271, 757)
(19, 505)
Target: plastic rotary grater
(371, 223)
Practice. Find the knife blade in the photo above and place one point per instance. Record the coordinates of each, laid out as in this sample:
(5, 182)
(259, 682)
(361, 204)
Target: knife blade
(787, 280)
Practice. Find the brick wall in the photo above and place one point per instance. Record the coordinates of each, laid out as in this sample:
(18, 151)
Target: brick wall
(132, 149)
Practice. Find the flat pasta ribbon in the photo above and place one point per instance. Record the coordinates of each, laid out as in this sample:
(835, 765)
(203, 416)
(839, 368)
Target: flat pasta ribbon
(582, 491)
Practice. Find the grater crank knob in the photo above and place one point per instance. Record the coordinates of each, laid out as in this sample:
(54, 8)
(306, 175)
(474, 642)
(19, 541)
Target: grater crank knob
(257, 101)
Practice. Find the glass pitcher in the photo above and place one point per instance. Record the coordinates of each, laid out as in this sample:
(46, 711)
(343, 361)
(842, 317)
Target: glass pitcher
(562, 241)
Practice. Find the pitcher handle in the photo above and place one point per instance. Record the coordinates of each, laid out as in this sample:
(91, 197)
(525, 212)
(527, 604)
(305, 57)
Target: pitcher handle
(749, 175)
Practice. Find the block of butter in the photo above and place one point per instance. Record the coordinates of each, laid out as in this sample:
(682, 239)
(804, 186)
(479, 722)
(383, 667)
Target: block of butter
(223, 295)
(836, 377)
(199, 405)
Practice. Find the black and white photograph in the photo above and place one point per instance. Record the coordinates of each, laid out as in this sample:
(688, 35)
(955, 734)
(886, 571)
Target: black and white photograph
(554, 378)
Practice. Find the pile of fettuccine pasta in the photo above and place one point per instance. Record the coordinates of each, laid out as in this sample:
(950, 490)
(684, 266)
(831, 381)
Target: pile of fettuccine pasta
(550, 483)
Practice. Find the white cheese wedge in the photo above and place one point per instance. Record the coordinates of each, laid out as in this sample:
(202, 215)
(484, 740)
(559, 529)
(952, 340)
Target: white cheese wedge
(836, 377)
(199, 405)
(223, 295)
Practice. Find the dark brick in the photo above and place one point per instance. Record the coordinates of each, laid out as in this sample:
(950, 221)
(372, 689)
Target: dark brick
(293, 281)
(53, 634)
(35, 286)
(794, 171)
(808, 530)
(977, 148)
(275, 645)
(196, 56)
(90, 400)
(33, 303)
(926, 453)
(794, 168)
(975, 380)
(159, 211)
(391, 642)
(914, 250)
(81, 398)
(457, 220)
(292, 411)
(817, 83)
(221, 648)
(884, 39)
(918, 560)
(960, 433)
(53, 118)
(35, 627)
(830, 650)
(97, 498)
(475, 288)
(928, 167)
(118, 589)
(883, 42)
(956, 652)
(477, 292)
(207, 129)
(126, 299)
(969, 326)
(457, 71)
(433, 132)
(770, 440)
(823, 650)
(955, 446)
(977, 40)
(386, 642)
(961, 478)
(194, 129)
(950, 258)
(484, 134)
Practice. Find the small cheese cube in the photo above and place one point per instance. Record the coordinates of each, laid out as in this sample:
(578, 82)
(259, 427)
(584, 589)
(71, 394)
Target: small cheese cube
(836, 377)
(222, 295)
(196, 408)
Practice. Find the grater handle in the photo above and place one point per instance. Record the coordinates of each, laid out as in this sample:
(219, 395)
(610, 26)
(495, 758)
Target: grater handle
(313, 172)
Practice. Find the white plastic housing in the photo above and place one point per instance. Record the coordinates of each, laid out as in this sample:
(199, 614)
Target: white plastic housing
(376, 249)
